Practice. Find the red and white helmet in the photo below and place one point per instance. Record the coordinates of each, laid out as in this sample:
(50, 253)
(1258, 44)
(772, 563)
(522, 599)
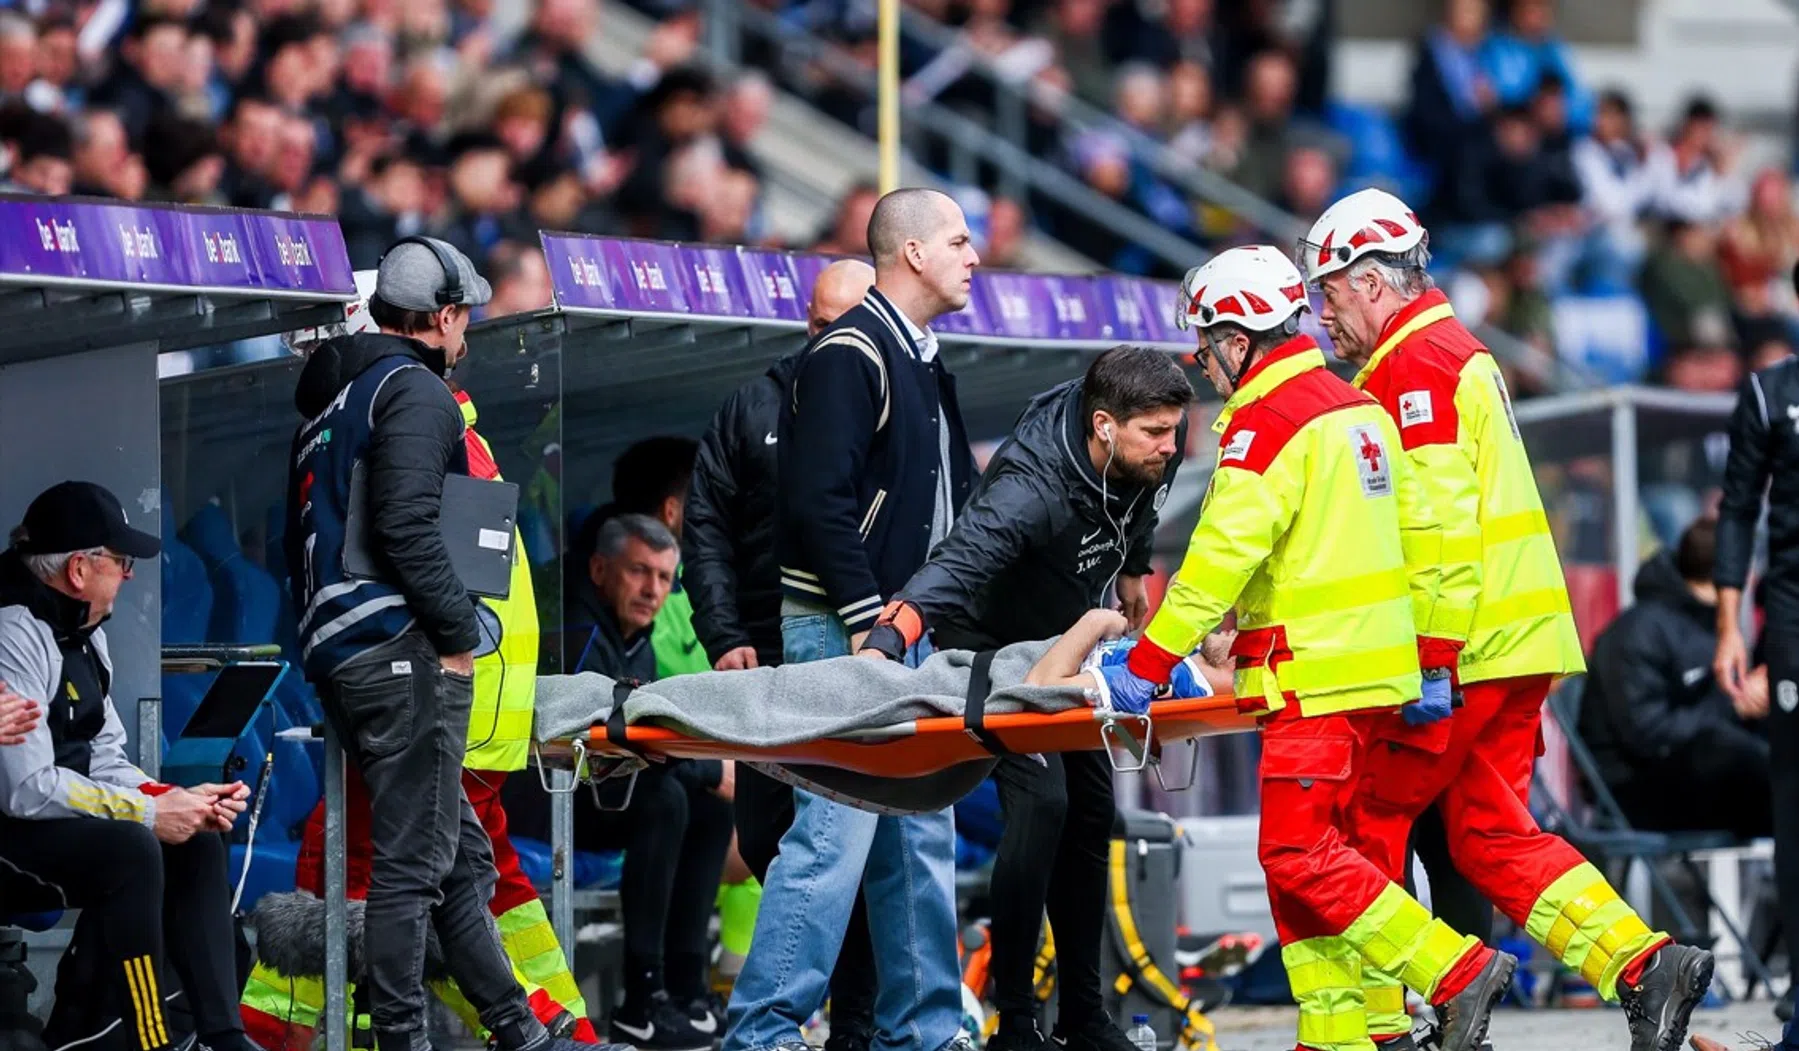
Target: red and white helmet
(1255, 288)
(1366, 221)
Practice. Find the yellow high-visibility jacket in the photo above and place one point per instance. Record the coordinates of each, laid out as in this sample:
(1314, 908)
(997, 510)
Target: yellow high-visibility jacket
(499, 726)
(1301, 532)
(1504, 605)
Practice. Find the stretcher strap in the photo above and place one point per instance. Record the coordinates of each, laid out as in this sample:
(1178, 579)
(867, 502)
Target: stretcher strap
(974, 715)
(616, 728)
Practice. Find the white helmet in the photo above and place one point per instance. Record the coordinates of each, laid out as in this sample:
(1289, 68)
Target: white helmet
(1365, 221)
(1255, 288)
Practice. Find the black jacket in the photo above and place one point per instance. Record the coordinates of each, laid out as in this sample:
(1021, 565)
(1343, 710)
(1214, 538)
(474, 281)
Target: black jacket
(410, 437)
(1764, 449)
(594, 641)
(1037, 546)
(859, 462)
(728, 540)
(1650, 693)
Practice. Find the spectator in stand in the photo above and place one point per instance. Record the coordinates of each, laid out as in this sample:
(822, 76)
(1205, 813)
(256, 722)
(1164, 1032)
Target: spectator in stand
(1140, 97)
(1692, 176)
(1075, 28)
(483, 195)
(43, 164)
(151, 61)
(1521, 53)
(1452, 95)
(1007, 227)
(554, 49)
(1758, 248)
(1176, 32)
(1190, 111)
(104, 163)
(1495, 180)
(556, 199)
(252, 138)
(55, 89)
(677, 825)
(18, 54)
(1270, 85)
(848, 233)
(1671, 745)
(743, 117)
(1683, 287)
(1309, 183)
(1612, 165)
(184, 165)
(521, 279)
(387, 206)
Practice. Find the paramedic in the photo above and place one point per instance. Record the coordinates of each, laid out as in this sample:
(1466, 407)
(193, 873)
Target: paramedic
(728, 555)
(1065, 510)
(1308, 495)
(392, 656)
(873, 466)
(80, 825)
(1499, 626)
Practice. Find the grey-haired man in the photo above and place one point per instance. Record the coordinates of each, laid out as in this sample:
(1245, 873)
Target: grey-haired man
(392, 657)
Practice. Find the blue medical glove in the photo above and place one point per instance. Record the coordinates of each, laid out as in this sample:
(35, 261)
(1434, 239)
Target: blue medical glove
(1127, 691)
(1435, 704)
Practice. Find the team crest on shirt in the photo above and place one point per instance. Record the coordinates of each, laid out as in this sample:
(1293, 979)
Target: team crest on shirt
(1161, 498)
(1415, 408)
(1238, 449)
(1786, 694)
(1371, 460)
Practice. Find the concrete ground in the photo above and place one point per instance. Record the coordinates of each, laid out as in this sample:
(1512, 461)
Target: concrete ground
(1599, 1029)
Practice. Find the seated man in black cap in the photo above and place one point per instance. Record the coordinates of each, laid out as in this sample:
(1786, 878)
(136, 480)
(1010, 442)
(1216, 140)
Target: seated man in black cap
(80, 825)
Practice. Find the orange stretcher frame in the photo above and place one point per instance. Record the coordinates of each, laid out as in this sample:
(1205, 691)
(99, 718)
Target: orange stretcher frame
(925, 746)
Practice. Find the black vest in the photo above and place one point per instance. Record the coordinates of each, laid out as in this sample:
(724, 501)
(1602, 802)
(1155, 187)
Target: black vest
(76, 711)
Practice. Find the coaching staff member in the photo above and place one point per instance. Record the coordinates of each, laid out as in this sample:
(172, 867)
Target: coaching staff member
(392, 658)
(1065, 512)
(1764, 459)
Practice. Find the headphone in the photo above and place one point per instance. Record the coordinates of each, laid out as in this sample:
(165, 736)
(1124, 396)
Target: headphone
(1105, 433)
(451, 292)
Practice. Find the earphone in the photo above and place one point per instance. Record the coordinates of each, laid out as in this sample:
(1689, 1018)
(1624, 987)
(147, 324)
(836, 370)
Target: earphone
(1106, 433)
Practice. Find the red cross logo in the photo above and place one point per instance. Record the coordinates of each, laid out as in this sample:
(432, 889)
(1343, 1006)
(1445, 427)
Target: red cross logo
(1370, 451)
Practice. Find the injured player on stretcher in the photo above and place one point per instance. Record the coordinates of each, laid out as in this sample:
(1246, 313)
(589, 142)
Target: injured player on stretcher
(860, 699)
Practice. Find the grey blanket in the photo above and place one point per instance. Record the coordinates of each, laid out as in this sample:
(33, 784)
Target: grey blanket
(801, 702)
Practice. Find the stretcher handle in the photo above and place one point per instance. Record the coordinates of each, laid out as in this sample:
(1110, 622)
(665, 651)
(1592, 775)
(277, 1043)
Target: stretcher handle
(1192, 769)
(579, 747)
(1111, 727)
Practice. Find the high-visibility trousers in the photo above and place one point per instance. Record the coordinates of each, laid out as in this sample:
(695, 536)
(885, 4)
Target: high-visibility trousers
(1336, 913)
(282, 1012)
(1476, 765)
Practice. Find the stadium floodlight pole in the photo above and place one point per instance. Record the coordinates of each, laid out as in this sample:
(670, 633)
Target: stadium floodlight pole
(888, 93)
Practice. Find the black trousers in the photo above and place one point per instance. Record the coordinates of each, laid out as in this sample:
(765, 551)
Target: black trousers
(403, 721)
(1782, 648)
(764, 813)
(1052, 857)
(145, 906)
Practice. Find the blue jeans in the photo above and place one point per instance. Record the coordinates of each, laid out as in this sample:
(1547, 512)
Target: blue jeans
(907, 866)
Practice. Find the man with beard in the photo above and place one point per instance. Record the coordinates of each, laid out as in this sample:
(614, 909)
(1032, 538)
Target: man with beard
(1065, 512)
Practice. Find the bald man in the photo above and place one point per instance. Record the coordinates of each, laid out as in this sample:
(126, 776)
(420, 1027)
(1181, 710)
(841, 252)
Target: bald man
(873, 466)
(734, 581)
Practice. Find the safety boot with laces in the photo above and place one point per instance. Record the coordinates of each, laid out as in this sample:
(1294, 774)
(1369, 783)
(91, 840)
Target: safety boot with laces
(1661, 1000)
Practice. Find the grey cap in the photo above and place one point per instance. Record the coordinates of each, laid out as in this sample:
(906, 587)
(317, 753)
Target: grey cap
(411, 276)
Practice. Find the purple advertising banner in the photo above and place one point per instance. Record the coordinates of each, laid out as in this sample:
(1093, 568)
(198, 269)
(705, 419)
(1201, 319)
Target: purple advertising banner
(116, 244)
(657, 277)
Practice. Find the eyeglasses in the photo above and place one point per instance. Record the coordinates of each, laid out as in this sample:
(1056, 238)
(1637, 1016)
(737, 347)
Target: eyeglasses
(125, 561)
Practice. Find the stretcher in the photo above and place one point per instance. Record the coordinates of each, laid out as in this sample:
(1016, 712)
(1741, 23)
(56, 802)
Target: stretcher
(918, 765)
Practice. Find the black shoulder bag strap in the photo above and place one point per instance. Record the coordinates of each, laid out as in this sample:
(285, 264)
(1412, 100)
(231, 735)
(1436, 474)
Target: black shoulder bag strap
(616, 727)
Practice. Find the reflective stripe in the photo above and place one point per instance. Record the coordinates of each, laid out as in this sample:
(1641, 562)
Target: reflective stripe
(326, 594)
(350, 619)
(1404, 941)
(1463, 548)
(294, 1001)
(1507, 529)
(1325, 975)
(1385, 1003)
(531, 942)
(1340, 596)
(1425, 319)
(1581, 920)
(1544, 602)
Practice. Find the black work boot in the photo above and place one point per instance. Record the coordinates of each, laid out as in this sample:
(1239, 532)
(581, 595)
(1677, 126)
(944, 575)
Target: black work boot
(1462, 1022)
(1658, 1005)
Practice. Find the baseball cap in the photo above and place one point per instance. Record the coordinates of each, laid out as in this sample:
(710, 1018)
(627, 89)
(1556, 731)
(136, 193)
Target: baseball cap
(411, 275)
(75, 516)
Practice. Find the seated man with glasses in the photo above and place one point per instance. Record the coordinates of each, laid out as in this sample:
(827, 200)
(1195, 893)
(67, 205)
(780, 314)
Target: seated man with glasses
(80, 825)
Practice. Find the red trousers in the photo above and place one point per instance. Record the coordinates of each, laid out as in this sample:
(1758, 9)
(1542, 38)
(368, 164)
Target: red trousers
(1476, 765)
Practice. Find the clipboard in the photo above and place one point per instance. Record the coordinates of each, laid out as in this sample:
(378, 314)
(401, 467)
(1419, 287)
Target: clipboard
(476, 518)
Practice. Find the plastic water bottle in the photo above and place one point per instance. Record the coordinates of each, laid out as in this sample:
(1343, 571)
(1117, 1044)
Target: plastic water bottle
(1141, 1035)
